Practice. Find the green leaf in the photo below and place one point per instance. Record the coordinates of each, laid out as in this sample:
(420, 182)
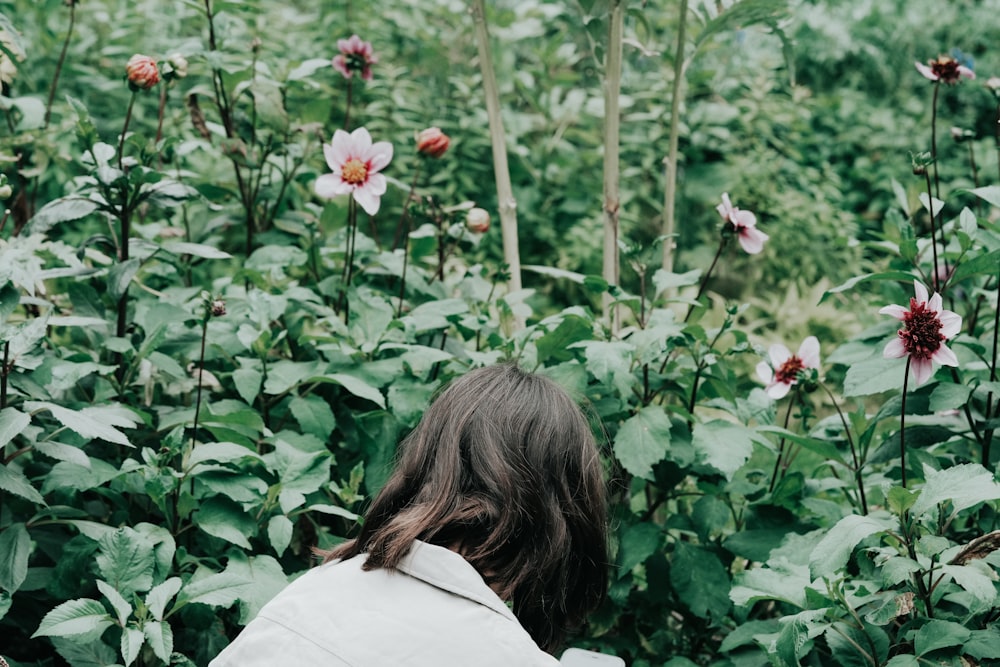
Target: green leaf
(977, 578)
(834, 550)
(160, 595)
(335, 510)
(964, 485)
(984, 264)
(264, 578)
(195, 250)
(91, 423)
(553, 346)
(723, 445)
(874, 376)
(215, 590)
(59, 210)
(15, 548)
(131, 643)
(14, 481)
(126, 560)
(852, 646)
(285, 375)
(83, 617)
(741, 15)
(160, 638)
(120, 277)
(314, 416)
(279, 532)
(701, 581)
(643, 440)
(778, 581)
(355, 386)
(984, 644)
(93, 653)
(638, 542)
(663, 280)
(936, 634)
(989, 193)
(121, 606)
(868, 277)
(223, 452)
(12, 423)
(903, 661)
(247, 380)
(227, 520)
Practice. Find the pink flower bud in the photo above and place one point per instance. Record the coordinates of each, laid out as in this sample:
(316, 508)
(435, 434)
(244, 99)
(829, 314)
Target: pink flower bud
(432, 142)
(142, 72)
(477, 220)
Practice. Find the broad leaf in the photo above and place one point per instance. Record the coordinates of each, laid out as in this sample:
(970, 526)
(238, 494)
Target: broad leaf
(964, 485)
(723, 445)
(834, 550)
(84, 617)
(643, 440)
(15, 548)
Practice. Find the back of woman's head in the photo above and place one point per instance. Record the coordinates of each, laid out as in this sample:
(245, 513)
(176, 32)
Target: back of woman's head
(504, 469)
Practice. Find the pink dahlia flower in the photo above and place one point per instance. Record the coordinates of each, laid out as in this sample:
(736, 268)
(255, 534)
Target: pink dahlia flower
(926, 326)
(946, 70)
(142, 72)
(744, 224)
(355, 162)
(432, 142)
(782, 372)
(355, 56)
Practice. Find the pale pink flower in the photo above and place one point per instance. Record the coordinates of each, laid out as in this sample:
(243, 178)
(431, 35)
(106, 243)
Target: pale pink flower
(355, 162)
(432, 142)
(355, 56)
(744, 224)
(945, 69)
(477, 220)
(782, 372)
(925, 328)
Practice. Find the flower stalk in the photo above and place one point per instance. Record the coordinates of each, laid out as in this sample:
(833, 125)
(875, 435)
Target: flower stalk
(670, 162)
(59, 64)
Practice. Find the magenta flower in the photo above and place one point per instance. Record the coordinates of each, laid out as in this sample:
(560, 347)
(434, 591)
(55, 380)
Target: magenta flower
(744, 224)
(946, 70)
(355, 162)
(925, 328)
(355, 56)
(784, 367)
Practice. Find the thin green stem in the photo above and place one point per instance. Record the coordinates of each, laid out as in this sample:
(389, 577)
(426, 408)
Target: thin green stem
(902, 424)
(934, 272)
(121, 140)
(781, 443)
(704, 279)
(59, 64)
(201, 370)
(670, 163)
(858, 463)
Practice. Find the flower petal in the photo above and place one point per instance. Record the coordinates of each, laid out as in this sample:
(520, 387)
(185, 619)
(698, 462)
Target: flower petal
(379, 156)
(945, 356)
(926, 71)
(922, 369)
(368, 200)
(809, 352)
(725, 207)
(920, 291)
(966, 73)
(376, 184)
(895, 311)
(894, 349)
(765, 372)
(752, 240)
(361, 142)
(329, 186)
(934, 303)
(779, 354)
(951, 323)
(744, 219)
(778, 390)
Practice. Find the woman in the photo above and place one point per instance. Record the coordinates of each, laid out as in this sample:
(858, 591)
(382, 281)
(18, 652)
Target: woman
(485, 546)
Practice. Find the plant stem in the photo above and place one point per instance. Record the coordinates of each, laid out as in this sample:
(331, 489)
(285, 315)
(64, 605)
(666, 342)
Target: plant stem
(501, 172)
(902, 424)
(858, 463)
(59, 64)
(704, 279)
(988, 436)
(128, 119)
(937, 180)
(4, 372)
(160, 112)
(201, 369)
(781, 443)
(612, 124)
(347, 111)
(670, 163)
(930, 197)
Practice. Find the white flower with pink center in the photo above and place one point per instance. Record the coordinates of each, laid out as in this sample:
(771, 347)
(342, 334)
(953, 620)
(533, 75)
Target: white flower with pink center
(744, 224)
(355, 162)
(926, 326)
(781, 373)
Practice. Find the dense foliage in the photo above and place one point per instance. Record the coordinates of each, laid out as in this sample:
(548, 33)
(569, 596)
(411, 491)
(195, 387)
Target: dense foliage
(215, 330)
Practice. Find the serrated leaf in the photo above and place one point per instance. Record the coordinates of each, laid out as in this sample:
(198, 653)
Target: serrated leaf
(216, 590)
(12, 423)
(314, 415)
(91, 423)
(895, 276)
(160, 595)
(126, 560)
(778, 581)
(223, 452)
(121, 606)
(160, 638)
(638, 542)
(120, 277)
(131, 643)
(59, 210)
(15, 548)
(195, 250)
(264, 578)
(279, 532)
(247, 381)
(834, 550)
(723, 445)
(83, 617)
(963, 485)
(874, 376)
(227, 520)
(700, 580)
(355, 386)
(642, 441)
(14, 481)
(334, 510)
(937, 634)
(976, 578)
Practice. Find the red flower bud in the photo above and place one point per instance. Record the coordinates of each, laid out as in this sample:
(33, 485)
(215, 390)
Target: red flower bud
(432, 142)
(142, 72)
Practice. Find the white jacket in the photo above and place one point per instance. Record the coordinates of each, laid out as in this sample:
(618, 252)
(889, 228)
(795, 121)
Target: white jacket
(435, 610)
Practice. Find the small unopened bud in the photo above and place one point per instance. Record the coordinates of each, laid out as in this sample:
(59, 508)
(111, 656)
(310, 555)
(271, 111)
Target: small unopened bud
(960, 135)
(432, 142)
(176, 67)
(142, 72)
(218, 307)
(477, 220)
(5, 190)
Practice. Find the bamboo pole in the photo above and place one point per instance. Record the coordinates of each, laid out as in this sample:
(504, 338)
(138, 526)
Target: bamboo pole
(670, 162)
(505, 194)
(612, 122)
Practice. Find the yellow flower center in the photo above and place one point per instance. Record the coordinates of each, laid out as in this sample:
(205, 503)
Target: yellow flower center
(354, 171)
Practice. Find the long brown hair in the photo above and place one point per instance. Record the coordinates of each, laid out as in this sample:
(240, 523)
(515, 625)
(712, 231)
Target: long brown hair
(503, 468)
